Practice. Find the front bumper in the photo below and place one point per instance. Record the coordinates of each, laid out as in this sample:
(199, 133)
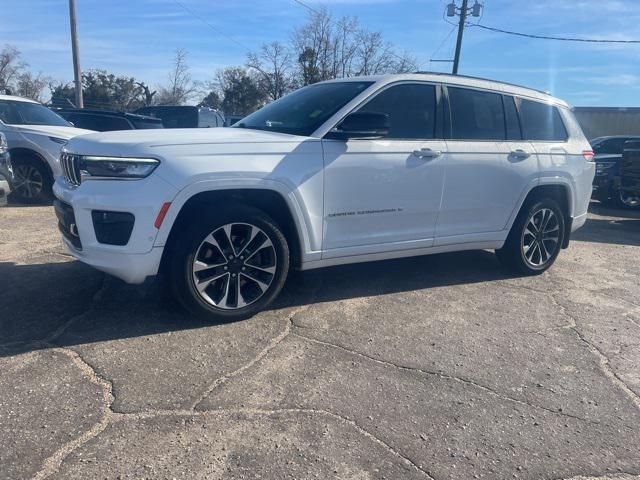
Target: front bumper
(136, 260)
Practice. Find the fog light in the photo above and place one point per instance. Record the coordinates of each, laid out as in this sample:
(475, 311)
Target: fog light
(112, 228)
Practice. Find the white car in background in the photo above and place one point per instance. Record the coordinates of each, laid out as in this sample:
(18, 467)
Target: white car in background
(339, 172)
(34, 136)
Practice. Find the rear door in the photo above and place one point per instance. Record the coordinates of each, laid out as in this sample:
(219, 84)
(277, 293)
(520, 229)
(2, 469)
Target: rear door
(488, 166)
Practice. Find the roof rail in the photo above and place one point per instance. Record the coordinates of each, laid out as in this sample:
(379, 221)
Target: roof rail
(545, 92)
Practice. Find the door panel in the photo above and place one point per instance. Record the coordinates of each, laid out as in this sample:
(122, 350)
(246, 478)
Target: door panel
(379, 192)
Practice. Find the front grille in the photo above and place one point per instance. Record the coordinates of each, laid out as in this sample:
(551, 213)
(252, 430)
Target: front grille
(71, 168)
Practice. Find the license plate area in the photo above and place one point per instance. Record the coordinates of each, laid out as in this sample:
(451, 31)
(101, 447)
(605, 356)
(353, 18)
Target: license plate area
(67, 223)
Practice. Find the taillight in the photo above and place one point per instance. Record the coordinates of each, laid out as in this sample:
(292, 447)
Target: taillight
(588, 155)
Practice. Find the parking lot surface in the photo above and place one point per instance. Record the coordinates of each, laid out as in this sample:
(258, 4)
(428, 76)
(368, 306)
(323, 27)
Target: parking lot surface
(443, 367)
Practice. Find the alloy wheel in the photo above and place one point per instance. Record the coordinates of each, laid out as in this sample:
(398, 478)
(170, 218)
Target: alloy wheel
(234, 266)
(28, 181)
(541, 237)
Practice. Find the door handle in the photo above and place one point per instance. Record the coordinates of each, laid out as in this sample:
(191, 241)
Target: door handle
(519, 154)
(427, 153)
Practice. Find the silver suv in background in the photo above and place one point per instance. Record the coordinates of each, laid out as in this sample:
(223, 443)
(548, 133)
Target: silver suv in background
(34, 136)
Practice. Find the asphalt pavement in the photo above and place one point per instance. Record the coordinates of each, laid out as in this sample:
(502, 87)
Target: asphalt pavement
(438, 367)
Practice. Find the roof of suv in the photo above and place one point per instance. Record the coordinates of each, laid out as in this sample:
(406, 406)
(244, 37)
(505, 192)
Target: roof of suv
(16, 99)
(462, 81)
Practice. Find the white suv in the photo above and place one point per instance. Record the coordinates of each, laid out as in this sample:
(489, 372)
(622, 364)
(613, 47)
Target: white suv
(338, 172)
(34, 135)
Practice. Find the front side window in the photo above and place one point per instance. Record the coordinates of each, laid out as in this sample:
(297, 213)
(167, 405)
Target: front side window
(541, 121)
(303, 111)
(476, 115)
(411, 109)
(26, 113)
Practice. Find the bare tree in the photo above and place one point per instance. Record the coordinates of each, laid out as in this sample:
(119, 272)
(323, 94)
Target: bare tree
(181, 86)
(273, 64)
(10, 66)
(31, 86)
(326, 48)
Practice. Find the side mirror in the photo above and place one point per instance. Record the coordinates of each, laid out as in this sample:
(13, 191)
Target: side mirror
(361, 125)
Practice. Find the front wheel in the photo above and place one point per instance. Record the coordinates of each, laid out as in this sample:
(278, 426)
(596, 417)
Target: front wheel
(535, 239)
(231, 265)
(31, 182)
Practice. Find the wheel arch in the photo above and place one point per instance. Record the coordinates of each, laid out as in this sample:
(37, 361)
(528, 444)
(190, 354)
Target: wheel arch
(19, 153)
(560, 191)
(268, 200)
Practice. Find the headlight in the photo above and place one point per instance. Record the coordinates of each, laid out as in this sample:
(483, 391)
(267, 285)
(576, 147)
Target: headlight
(61, 141)
(116, 167)
(601, 167)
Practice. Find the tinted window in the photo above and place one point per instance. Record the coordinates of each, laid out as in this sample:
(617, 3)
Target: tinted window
(611, 145)
(145, 123)
(304, 110)
(26, 113)
(476, 115)
(541, 121)
(511, 118)
(100, 123)
(173, 117)
(411, 109)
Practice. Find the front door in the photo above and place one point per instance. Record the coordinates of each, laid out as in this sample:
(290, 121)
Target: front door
(384, 194)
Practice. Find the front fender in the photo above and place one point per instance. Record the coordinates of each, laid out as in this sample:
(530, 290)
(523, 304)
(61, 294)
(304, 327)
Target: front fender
(309, 231)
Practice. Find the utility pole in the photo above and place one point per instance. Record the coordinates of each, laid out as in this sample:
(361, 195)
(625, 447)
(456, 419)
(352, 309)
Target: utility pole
(463, 17)
(76, 54)
(464, 10)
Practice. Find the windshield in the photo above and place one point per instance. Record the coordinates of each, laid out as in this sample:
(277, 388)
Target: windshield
(303, 111)
(25, 113)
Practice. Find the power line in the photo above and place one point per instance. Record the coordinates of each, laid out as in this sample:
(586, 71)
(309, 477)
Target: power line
(543, 37)
(441, 45)
(212, 27)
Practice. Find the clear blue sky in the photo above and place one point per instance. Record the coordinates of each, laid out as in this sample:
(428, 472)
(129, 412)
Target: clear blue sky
(138, 37)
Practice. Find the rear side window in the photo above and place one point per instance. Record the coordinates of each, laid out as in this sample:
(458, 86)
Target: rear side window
(411, 109)
(541, 121)
(476, 115)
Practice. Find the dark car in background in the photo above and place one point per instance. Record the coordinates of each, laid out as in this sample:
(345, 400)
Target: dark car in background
(184, 116)
(608, 157)
(107, 120)
(630, 174)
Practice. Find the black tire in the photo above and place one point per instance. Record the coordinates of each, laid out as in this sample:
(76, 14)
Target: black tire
(32, 182)
(182, 276)
(513, 254)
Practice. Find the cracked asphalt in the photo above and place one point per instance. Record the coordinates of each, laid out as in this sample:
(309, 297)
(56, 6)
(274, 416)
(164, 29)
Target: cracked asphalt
(438, 367)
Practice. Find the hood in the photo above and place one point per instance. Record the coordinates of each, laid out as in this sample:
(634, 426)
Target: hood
(65, 133)
(129, 142)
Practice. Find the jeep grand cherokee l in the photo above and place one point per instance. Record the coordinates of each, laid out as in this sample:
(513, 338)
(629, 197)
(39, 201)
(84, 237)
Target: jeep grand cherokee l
(343, 171)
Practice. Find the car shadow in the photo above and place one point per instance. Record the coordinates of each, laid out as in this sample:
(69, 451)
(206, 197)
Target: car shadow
(609, 225)
(56, 304)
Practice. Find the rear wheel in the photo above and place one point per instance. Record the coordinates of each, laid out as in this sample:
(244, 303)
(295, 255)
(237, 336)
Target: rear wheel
(230, 266)
(535, 239)
(31, 181)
